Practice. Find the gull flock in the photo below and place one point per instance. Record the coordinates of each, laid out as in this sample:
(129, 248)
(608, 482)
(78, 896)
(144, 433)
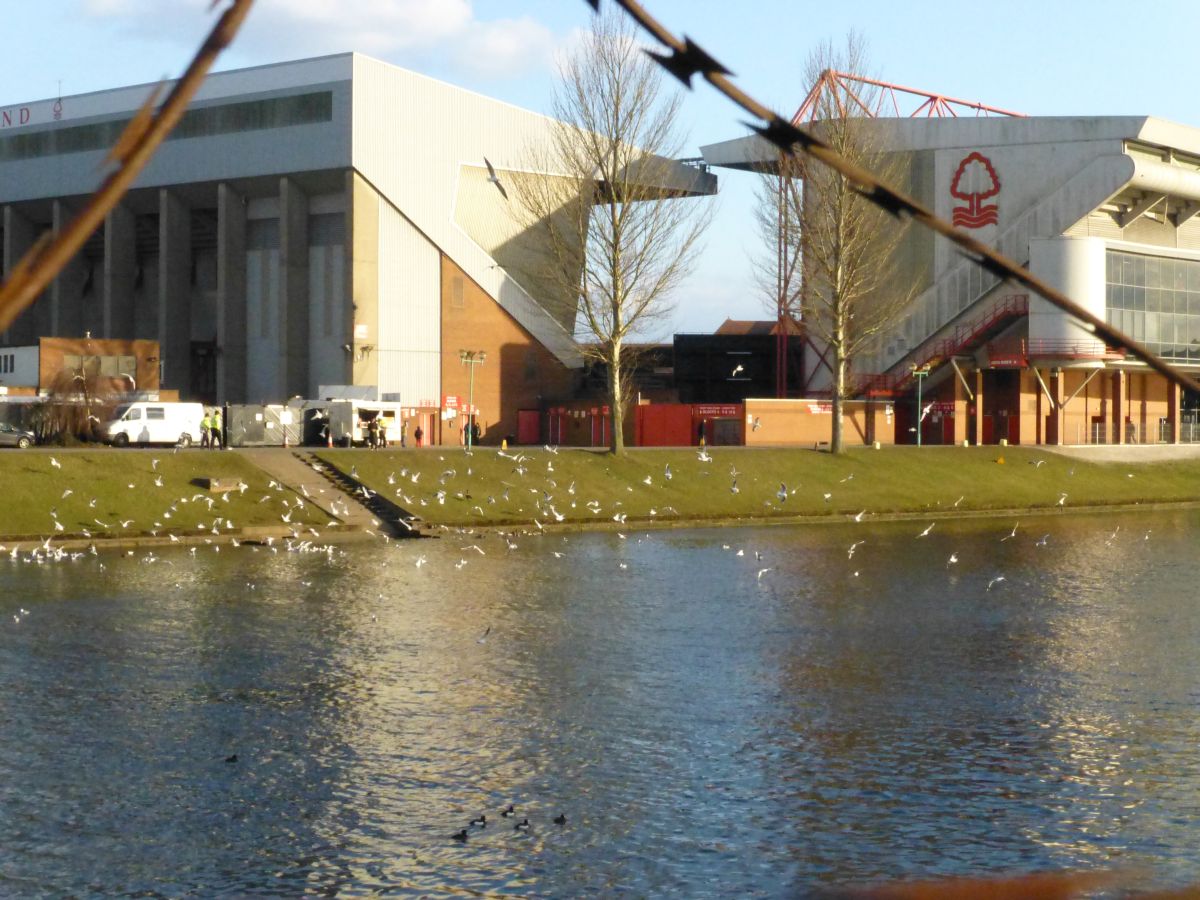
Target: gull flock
(201, 519)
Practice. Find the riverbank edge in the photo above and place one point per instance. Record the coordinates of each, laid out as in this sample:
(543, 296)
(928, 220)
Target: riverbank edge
(336, 535)
(697, 522)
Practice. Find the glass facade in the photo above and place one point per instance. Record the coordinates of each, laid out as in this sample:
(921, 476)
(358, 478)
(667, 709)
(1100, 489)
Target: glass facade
(1156, 300)
(228, 118)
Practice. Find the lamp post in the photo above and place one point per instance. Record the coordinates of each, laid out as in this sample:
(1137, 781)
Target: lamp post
(919, 373)
(471, 359)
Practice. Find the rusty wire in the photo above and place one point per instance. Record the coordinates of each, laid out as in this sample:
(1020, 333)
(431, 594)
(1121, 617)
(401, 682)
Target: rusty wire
(133, 150)
(685, 59)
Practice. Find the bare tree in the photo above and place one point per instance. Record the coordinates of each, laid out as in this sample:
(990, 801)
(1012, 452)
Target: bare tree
(614, 236)
(77, 402)
(849, 293)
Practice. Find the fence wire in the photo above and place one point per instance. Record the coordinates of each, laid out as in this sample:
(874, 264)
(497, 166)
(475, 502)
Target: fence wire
(683, 58)
(136, 145)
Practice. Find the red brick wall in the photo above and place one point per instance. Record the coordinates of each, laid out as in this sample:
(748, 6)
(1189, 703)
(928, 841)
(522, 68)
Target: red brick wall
(518, 373)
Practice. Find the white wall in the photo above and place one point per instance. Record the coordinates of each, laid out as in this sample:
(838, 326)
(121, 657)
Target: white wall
(412, 137)
(19, 366)
(1075, 266)
(408, 349)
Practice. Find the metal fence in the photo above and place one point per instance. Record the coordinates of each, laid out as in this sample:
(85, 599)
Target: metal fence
(1189, 428)
(263, 426)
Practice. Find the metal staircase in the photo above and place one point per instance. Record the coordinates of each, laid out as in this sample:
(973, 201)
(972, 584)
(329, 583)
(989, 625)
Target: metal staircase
(966, 337)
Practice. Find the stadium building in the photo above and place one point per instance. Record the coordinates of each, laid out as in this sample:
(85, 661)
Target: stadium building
(324, 222)
(1104, 209)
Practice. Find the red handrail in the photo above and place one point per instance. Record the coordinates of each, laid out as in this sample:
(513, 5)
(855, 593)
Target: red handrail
(934, 352)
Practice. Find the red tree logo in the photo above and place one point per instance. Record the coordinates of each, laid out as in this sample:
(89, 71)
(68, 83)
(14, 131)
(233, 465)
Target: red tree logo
(975, 181)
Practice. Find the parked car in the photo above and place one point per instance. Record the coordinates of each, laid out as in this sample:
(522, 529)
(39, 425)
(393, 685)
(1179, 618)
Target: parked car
(12, 436)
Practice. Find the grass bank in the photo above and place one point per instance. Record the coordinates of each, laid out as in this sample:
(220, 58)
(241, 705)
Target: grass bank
(488, 487)
(106, 493)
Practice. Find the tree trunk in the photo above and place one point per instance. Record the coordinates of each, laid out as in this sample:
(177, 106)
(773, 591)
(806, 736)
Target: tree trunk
(616, 389)
(839, 392)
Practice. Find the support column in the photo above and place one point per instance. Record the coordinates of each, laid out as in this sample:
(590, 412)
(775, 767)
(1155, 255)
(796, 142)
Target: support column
(120, 271)
(1174, 395)
(960, 411)
(1117, 425)
(293, 286)
(1057, 423)
(19, 235)
(231, 296)
(69, 287)
(362, 272)
(174, 292)
(978, 429)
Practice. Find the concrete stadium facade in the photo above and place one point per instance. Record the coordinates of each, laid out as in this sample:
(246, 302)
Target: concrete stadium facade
(321, 222)
(1104, 209)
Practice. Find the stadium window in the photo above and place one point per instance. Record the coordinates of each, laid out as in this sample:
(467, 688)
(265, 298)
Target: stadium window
(207, 121)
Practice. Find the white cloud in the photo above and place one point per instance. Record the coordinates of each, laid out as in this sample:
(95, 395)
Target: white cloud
(402, 31)
(505, 47)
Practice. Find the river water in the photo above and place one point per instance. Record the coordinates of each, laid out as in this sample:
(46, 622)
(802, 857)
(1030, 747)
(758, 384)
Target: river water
(709, 723)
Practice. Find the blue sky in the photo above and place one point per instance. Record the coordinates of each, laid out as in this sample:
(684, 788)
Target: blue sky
(1053, 57)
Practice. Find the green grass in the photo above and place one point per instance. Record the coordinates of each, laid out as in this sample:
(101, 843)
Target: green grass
(896, 480)
(891, 481)
(122, 484)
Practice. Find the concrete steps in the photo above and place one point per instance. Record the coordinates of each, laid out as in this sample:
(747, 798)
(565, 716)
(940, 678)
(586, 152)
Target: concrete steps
(298, 475)
(391, 517)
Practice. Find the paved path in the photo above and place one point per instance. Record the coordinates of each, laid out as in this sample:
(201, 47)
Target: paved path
(282, 465)
(1128, 453)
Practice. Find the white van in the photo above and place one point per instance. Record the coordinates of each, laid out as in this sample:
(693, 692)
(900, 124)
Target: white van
(146, 422)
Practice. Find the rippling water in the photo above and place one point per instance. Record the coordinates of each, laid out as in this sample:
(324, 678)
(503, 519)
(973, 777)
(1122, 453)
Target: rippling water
(706, 727)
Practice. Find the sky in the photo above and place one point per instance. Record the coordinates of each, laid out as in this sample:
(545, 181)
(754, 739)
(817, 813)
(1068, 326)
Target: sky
(1050, 57)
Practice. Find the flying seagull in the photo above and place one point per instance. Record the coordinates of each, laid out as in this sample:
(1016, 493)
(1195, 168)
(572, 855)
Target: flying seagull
(492, 177)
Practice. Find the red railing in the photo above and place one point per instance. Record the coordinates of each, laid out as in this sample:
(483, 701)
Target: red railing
(933, 353)
(1064, 348)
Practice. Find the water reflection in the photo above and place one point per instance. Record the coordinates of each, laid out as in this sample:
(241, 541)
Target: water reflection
(707, 727)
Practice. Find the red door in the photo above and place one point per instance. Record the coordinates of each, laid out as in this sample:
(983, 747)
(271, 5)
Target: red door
(947, 429)
(529, 426)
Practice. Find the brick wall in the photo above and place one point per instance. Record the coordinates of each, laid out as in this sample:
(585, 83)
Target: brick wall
(518, 373)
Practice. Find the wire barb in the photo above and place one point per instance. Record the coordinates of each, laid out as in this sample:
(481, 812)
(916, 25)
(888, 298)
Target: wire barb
(782, 133)
(689, 61)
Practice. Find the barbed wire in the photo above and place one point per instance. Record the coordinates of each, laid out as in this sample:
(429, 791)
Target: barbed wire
(686, 59)
(133, 149)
